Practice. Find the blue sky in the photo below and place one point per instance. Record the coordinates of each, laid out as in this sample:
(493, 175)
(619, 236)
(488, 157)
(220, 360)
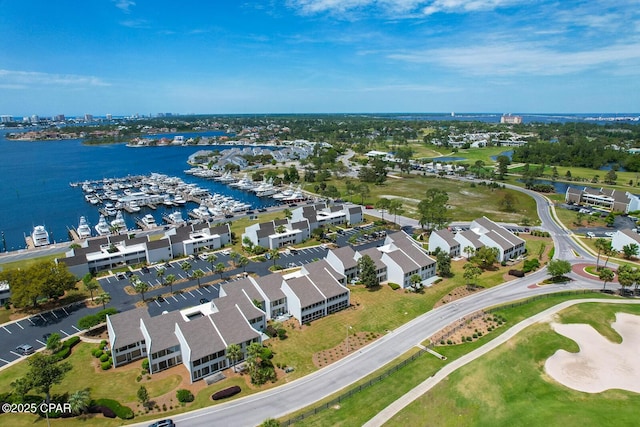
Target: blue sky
(307, 56)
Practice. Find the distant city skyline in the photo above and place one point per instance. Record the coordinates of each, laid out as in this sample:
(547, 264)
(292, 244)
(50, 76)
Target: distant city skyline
(123, 57)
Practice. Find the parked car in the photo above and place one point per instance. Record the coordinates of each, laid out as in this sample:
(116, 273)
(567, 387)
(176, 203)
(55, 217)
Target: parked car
(25, 349)
(262, 210)
(203, 300)
(163, 423)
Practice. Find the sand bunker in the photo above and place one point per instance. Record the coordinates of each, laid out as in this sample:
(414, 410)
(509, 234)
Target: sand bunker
(600, 364)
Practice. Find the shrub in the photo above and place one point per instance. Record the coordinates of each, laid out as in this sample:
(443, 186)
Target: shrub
(394, 286)
(271, 331)
(104, 357)
(121, 411)
(530, 265)
(449, 342)
(106, 365)
(98, 354)
(104, 410)
(184, 396)
(145, 364)
(282, 334)
(227, 392)
(88, 322)
(103, 343)
(139, 378)
(516, 273)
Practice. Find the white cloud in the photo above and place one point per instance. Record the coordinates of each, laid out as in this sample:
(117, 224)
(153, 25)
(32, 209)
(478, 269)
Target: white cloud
(124, 5)
(136, 23)
(20, 79)
(523, 58)
(422, 7)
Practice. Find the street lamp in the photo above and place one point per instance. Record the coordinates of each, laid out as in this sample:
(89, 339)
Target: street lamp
(348, 327)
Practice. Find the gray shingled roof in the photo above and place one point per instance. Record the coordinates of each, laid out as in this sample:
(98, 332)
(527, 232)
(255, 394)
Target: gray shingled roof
(233, 327)
(303, 288)
(271, 285)
(472, 237)
(376, 256)
(161, 330)
(322, 268)
(448, 237)
(325, 278)
(202, 338)
(126, 326)
(405, 263)
(346, 255)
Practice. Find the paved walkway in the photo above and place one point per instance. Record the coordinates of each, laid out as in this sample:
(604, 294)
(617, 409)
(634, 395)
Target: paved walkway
(387, 413)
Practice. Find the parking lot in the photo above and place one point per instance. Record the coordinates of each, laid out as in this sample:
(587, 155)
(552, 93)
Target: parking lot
(32, 330)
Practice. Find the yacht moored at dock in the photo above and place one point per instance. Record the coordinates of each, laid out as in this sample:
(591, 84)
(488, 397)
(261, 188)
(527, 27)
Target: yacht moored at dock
(148, 221)
(83, 230)
(102, 227)
(40, 236)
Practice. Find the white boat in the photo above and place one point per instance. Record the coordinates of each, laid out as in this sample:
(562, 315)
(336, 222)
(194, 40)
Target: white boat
(179, 200)
(295, 197)
(266, 188)
(83, 229)
(40, 236)
(109, 209)
(133, 206)
(148, 221)
(102, 227)
(119, 222)
(175, 218)
(201, 212)
(286, 193)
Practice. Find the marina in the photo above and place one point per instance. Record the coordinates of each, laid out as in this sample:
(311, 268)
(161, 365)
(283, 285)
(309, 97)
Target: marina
(38, 191)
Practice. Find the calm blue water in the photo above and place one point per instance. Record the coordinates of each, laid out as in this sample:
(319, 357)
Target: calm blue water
(35, 177)
(446, 159)
(509, 154)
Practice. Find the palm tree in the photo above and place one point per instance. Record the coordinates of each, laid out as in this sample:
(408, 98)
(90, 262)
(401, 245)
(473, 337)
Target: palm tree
(243, 261)
(186, 266)
(169, 281)
(395, 207)
(220, 269)
(470, 251)
(600, 244)
(80, 401)
(608, 252)
(364, 191)
(141, 287)
(234, 354)
(382, 205)
(234, 257)
(287, 213)
(606, 275)
(160, 275)
(211, 259)
(275, 255)
(198, 274)
(416, 280)
(103, 299)
(90, 283)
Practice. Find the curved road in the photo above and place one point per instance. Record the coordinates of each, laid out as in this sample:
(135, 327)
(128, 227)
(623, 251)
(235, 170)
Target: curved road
(278, 402)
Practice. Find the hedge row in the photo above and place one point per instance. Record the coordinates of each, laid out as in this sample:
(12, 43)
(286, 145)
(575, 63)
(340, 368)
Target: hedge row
(394, 286)
(121, 411)
(67, 345)
(88, 322)
(227, 392)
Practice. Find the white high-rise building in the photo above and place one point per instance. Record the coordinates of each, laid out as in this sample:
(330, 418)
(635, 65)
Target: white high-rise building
(6, 119)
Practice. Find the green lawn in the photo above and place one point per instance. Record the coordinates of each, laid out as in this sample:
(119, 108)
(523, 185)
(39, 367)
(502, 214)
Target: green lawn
(29, 261)
(466, 201)
(509, 386)
(363, 405)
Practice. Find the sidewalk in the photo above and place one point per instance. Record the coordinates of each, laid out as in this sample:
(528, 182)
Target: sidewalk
(387, 413)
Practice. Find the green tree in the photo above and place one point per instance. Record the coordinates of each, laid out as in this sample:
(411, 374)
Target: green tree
(608, 251)
(45, 372)
(416, 282)
(605, 275)
(471, 273)
(287, 213)
(382, 205)
(103, 299)
(234, 354)
(558, 268)
(143, 395)
(198, 274)
(601, 244)
(485, 257)
(160, 275)
(53, 343)
(275, 255)
(243, 261)
(367, 271)
(139, 286)
(80, 401)
(469, 251)
(396, 208)
(21, 388)
(363, 190)
(443, 264)
(219, 269)
(186, 267)
(433, 209)
(169, 281)
(90, 284)
(212, 258)
(247, 243)
(631, 250)
(503, 166)
(626, 276)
